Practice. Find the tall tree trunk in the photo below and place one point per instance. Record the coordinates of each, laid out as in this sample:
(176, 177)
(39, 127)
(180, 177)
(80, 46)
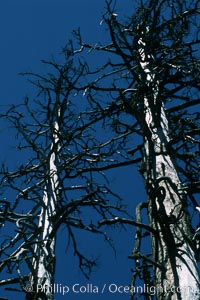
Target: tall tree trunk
(167, 209)
(44, 261)
(176, 271)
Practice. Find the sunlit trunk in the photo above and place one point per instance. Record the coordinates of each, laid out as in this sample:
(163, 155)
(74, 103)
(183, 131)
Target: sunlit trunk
(176, 270)
(44, 261)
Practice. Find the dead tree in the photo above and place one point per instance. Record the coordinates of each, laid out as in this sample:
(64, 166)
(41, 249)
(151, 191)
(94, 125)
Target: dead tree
(151, 76)
(144, 93)
(57, 182)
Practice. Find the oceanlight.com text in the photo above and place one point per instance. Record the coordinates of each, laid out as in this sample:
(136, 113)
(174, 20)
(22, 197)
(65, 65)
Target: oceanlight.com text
(111, 288)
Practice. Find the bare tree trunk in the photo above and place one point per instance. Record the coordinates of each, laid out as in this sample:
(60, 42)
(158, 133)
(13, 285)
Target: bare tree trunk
(176, 274)
(172, 247)
(44, 261)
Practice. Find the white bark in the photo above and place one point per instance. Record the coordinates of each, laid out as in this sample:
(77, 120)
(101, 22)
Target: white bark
(174, 252)
(44, 263)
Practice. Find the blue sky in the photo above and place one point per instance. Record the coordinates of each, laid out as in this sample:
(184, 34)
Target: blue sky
(32, 30)
(35, 30)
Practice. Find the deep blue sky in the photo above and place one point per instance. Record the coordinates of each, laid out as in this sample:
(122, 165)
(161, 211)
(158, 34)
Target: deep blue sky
(32, 30)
